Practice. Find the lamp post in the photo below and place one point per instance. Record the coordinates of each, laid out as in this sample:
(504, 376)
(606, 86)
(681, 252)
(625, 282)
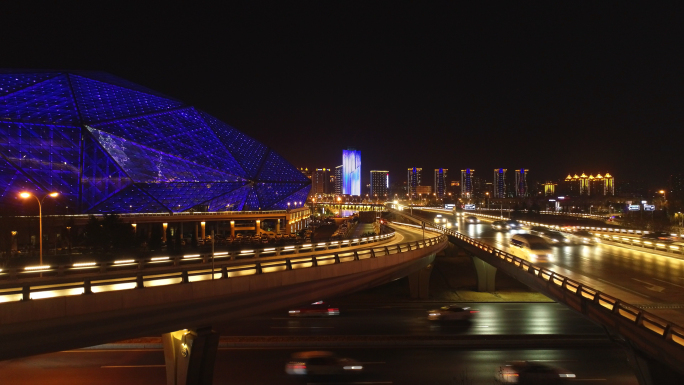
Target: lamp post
(26, 195)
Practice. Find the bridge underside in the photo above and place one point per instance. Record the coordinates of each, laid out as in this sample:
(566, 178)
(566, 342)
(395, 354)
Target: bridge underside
(87, 320)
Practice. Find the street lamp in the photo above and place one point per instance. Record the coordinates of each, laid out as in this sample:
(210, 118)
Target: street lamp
(26, 195)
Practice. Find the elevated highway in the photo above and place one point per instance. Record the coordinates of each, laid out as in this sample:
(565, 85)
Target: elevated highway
(154, 300)
(649, 325)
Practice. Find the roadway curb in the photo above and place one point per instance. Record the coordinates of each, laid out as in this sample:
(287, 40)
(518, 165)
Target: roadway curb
(465, 342)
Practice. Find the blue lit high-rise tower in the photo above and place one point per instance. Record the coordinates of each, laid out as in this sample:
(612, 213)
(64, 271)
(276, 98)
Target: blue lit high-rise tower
(500, 183)
(351, 172)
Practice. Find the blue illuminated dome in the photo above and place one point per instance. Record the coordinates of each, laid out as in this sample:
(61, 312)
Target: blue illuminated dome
(109, 145)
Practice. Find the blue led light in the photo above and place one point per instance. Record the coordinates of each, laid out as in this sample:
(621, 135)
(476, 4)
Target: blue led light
(109, 145)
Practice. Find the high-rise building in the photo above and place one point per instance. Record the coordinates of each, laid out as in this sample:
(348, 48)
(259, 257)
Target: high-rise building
(351, 172)
(521, 189)
(379, 184)
(499, 183)
(467, 183)
(320, 179)
(440, 182)
(413, 181)
(338, 180)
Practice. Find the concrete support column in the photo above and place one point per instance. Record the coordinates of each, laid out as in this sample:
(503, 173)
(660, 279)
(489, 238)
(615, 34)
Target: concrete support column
(486, 275)
(196, 230)
(165, 226)
(649, 371)
(278, 226)
(419, 282)
(190, 356)
(204, 229)
(232, 229)
(258, 227)
(181, 231)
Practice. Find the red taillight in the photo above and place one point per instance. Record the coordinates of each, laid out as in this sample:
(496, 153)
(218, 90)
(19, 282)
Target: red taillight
(332, 310)
(474, 311)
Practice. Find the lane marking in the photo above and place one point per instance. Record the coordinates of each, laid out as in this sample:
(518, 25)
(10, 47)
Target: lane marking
(651, 286)
(341, 383)
(670, 283)
(132, 366)
(624, 288)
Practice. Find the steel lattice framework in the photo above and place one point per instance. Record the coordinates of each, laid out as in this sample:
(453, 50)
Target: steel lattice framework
(109, 145)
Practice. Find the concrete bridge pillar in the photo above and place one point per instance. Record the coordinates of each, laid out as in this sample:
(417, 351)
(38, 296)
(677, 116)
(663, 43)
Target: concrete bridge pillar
(486, 274)
(419, 282)
(189, 356)
(649, 371)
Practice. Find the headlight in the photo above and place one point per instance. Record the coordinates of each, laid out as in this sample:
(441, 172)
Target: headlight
(555, 240)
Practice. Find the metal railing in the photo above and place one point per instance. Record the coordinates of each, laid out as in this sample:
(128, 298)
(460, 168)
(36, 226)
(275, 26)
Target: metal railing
(33, 271)
(668, 331)
(91, 278)
(636, 242)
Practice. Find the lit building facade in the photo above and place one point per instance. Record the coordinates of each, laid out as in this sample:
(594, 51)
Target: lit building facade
(521, 189)
(467, 183)
(111, 146)
(379, 184)
(338, 180)
(499, 186)
(351, 172)
(413, 181)
(320, 180)
(440, 182)
(549, 189)
(590, 185)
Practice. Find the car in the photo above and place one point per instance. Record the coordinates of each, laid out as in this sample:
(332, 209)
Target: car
(472, 219)
(451, 313)
(500, 225)
(529, 246)
(659, 236)
(321, 363)
(524, 372)
(555, 237)
(514, 225)
(316, 309)
(583, 237)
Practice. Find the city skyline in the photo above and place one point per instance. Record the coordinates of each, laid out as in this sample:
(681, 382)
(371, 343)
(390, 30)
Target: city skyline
(573, 90)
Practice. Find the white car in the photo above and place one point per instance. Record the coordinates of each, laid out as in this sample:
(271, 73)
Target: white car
(531, 247)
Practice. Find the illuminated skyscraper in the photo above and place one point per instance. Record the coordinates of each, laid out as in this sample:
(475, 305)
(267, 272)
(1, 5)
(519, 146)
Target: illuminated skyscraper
(499, 183)
(521, 189)
(467, 183)
(338, 180)
(440, 182)
(413, 181)
(351, 172)
(379, 184)
(320, 179)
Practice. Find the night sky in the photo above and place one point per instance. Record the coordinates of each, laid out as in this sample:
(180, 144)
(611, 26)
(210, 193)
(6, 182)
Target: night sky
(553, 88)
